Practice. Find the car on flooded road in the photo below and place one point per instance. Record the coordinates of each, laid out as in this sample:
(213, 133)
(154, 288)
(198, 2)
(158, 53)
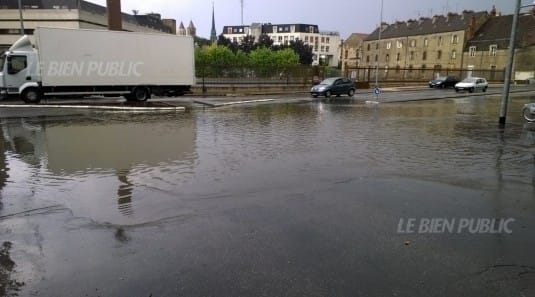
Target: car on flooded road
(444, 82)
(334, 86)
(472, 84)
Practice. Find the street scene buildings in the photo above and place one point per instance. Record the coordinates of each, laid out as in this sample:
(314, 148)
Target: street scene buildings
(415, 49)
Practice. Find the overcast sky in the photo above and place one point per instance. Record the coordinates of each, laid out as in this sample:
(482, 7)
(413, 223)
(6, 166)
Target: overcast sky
(344, 16)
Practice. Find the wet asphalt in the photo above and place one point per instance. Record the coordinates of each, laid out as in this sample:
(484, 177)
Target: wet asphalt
(287, 198)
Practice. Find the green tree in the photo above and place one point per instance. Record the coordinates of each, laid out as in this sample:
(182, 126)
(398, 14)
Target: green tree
(303, 51)
(263, 57)
(286, 58)
(248, 44)
(264, 41)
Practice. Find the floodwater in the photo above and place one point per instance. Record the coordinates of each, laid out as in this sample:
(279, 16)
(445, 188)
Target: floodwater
(269, 200)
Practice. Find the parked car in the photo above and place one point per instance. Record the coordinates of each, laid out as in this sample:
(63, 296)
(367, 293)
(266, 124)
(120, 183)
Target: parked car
(444, 82)
(334, 86)
(472, 84)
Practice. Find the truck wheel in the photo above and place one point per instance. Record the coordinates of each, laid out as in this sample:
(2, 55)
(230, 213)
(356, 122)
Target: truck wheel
(31, 96)
(140, 94)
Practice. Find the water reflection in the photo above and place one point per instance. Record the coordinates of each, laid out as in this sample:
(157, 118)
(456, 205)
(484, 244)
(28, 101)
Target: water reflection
(91, 150)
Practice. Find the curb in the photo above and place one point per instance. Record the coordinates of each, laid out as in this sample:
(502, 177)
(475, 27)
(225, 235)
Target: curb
(111, 108)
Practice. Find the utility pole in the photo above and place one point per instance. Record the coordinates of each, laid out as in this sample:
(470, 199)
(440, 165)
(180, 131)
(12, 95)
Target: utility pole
(379, 48)
(21, 18)
(509, 68)
(241, 12)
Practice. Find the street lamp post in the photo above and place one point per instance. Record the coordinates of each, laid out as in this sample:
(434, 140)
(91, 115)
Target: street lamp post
(509, 68)
(21, 19)
(379, 48)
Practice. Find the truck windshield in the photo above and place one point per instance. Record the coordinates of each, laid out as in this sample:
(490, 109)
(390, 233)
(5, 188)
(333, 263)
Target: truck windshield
(2, 61)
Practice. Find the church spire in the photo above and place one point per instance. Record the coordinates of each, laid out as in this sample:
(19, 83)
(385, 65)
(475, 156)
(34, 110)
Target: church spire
(213, 33)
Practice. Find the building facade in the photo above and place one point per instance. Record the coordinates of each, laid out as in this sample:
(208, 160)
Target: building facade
(325, 45)
(75, 14)
(489, 49)
(351, 53)
(435, 43)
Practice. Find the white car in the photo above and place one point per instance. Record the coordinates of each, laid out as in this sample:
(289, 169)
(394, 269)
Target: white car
(472, 84)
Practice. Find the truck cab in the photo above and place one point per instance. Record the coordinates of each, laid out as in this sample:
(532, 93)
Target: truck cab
(19, 72)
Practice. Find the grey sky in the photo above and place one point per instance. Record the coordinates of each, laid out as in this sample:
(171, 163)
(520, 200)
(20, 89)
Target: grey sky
(345, 16)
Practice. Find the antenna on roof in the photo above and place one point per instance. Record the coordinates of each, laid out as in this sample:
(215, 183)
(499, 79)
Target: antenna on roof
(241, 12)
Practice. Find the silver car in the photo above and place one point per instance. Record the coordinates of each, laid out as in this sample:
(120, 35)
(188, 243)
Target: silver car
(472, 84)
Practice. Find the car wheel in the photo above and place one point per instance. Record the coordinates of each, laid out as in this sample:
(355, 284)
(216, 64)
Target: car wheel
(315, 95)
(471, 90)
(528, 115)
(328, 94)
(456, 90)
(484, 89)
(351, 93)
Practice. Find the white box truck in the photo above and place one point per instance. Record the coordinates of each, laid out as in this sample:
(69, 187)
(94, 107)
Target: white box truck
(73, 62)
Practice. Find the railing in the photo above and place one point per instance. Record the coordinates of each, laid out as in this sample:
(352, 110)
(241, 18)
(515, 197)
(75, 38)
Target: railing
(408, 75)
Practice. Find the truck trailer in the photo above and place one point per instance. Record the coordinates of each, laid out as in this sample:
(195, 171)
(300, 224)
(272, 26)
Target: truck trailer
(73, 62)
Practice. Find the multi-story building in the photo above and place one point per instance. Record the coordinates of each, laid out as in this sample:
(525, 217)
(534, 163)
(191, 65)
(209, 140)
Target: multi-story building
(427, 43)
(75, 14)
(324, 44)
(351, 53)
(487, 52)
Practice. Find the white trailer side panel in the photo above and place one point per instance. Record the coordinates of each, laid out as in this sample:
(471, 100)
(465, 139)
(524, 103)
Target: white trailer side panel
(72, 57)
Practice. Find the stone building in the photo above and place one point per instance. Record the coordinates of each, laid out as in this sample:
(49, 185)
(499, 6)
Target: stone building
(405, 50)
(487, 53)
(75, 14)
(351, 53)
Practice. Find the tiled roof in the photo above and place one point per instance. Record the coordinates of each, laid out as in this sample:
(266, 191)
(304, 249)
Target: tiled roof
(423, 26)
(355, 38)
(497, 30)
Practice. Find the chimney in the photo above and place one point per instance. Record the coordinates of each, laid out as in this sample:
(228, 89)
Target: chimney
(115, 18)
(472, 27)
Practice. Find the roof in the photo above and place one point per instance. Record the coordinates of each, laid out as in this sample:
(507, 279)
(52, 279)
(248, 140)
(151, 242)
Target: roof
(497, 31)
(355, 38)
(423, 26)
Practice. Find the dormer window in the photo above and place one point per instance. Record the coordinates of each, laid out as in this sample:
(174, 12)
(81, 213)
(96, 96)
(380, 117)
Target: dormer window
(493, 49)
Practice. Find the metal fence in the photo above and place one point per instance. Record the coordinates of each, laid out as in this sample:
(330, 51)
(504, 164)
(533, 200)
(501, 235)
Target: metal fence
(304, 76)
(240, 75)
(408, 75)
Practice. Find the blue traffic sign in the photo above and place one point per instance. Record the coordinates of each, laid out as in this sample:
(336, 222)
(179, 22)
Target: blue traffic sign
(377, 91)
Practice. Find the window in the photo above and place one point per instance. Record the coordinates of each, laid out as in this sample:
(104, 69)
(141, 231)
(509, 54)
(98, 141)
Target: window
(399, 44)
(376, 58)
(426, 42)
(322, 48)
(493, 49)
(413, 43)
(292, 38)
(16, 64)
(411, 68)
(472, 51)
(346, 54)
(411, 56)
(439, 55)
(306, 38)
(368, 59)
(328, 40)
(387, 57)
(377, 46)
(389, 45)
(439, 40)
(398, 57)
(368, 46)
(280, 39)
(323, 40)
(274, 28)
(327, 48)
(454, 54)
(424, 56)
(454, 39)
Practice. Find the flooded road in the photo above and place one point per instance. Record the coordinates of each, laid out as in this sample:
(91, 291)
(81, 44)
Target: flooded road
(271, 200)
